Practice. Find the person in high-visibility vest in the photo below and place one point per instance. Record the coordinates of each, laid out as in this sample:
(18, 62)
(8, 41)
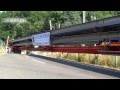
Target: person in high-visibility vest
(106, 41)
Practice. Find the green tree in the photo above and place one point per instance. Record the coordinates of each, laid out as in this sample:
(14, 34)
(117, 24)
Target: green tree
(38, 21)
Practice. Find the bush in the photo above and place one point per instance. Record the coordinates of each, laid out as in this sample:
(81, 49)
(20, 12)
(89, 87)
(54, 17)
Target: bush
(94, 60)
(28, 52)
(118, 63)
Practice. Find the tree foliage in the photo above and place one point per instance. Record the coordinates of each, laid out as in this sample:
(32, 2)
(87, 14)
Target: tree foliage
(38, 21)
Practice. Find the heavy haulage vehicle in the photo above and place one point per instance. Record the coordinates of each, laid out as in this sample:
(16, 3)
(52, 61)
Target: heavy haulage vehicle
(100, 36)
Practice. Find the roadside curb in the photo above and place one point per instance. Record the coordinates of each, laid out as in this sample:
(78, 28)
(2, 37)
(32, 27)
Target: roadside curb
(98, 69)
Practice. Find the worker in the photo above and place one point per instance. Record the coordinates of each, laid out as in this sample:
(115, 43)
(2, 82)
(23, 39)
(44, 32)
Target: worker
(9, 50)
(106, 41)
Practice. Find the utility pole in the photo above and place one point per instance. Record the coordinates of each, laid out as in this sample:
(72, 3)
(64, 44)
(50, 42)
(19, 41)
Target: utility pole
(93, 17)
(59, 25)
(84, 16)
(50, 23)
(7, 44)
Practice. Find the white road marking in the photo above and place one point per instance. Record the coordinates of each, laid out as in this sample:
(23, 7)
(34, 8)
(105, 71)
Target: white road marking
(27, 56)
(38, 61)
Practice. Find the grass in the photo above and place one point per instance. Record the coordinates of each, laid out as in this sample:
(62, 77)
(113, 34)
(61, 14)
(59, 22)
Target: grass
(2, 50)
(95, 59)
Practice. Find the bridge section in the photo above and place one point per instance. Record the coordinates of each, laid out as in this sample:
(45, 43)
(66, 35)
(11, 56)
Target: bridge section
(91, 37)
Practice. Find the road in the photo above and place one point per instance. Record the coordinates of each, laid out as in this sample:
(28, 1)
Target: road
(15, 66)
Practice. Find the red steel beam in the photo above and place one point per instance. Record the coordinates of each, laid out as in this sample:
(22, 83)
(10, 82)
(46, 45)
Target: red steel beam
(68, 49)
(73, 49)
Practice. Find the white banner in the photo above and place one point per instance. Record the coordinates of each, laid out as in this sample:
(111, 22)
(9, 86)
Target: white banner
(41, 39)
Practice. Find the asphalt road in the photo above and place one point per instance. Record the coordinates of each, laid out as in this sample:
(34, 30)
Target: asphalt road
(15, 66)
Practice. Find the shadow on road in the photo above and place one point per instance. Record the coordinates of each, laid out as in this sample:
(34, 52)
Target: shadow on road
(98, 69)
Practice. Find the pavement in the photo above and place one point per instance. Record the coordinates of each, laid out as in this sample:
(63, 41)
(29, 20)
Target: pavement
(16, 66)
